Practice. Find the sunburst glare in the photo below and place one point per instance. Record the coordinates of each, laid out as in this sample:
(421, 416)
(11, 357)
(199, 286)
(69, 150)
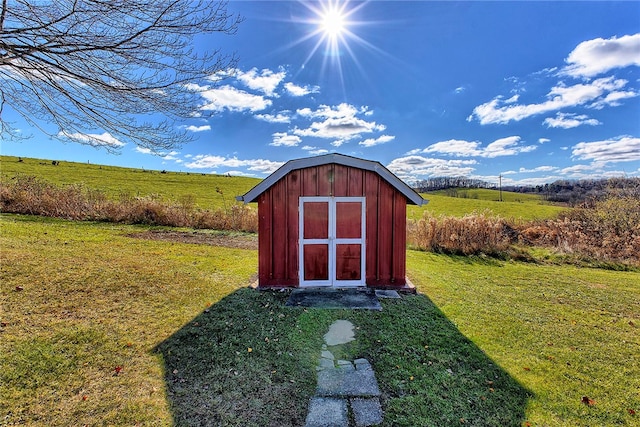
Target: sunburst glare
(331, 27)
(333, 22)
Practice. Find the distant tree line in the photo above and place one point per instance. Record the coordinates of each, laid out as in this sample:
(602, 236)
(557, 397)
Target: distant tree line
(448, 182)
(572, 192)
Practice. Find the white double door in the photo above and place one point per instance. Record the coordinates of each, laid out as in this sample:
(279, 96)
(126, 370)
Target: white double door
(332, 241)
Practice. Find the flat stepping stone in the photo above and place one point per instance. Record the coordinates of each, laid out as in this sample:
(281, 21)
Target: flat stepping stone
(327, 412)
(340, 332)
(325, 364)
(382, 293)
(366, 412)
(326, 354)
(340, 382)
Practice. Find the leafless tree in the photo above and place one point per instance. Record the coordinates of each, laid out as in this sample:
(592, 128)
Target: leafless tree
(98, 72)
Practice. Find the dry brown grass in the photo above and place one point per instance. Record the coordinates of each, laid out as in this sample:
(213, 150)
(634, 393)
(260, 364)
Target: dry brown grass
(602, 231)
(33, 196)
(472, 234)
(607, 230)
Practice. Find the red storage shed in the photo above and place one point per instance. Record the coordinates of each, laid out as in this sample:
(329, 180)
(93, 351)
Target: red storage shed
(332, 220)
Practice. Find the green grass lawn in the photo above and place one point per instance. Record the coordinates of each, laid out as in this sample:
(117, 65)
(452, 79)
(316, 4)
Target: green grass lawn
(100, 328)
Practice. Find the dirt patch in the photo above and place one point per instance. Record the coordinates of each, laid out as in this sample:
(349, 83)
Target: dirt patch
(239, 241)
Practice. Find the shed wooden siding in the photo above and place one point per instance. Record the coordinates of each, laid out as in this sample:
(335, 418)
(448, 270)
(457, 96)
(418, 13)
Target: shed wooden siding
(385, 223)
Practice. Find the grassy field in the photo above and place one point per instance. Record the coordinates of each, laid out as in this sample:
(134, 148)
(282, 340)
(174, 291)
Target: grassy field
(116, 181)
(514, 205)
(100, 328)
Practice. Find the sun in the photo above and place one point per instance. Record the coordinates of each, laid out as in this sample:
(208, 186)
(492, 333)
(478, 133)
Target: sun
(333, 22)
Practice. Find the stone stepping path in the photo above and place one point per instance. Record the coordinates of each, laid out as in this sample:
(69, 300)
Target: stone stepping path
(344, 385)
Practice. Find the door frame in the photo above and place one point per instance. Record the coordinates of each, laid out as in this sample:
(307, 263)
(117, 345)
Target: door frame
(332, 241)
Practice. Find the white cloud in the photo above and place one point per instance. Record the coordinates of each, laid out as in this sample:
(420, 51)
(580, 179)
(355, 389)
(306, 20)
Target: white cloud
(620, 149)
(577, 169)
(93, 139)
(370, 142)
(532, 181)
(596, 94)
(202, 161)
(265, 81)
(613, 99)
(455, 147)
(314, 150)
(327, 112)
(284, 139)
(501, 147)
(506, 147)
(597, 56)
(232, 99)
(543, 140)
(238, 173)
(340, 122)
(295, 90)
(592, 171)
(414, 167)
(193, 128)
(569, 120)
(338, 142)
(170, 156)
(281, 117)
(538, 169)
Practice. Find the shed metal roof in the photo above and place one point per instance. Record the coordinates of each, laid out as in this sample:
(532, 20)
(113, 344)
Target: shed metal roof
(340, 159)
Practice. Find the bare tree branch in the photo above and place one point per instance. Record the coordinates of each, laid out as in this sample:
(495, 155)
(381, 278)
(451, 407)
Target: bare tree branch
(94, 71)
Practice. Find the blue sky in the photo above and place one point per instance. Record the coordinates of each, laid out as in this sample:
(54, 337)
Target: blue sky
(532, 91)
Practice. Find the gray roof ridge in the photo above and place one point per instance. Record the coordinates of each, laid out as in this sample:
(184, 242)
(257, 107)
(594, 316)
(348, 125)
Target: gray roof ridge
(337, 158)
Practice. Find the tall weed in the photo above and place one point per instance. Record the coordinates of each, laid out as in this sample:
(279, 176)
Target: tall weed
(472, 234)
(33, 196)
(607, 229)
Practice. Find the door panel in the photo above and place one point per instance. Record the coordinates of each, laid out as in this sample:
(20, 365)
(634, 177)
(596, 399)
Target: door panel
(332, 242)
(348, 220)
(316, 220)
(316, 262)
(348, 262)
